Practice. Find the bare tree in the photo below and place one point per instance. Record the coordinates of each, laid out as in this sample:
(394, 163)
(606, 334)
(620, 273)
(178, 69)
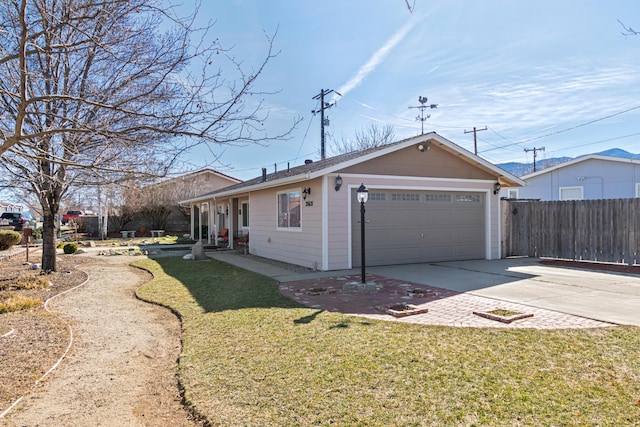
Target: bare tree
(369, 137)
(628, 31)
(91, 92)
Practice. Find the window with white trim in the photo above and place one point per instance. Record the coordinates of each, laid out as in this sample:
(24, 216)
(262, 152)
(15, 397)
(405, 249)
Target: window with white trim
(571, 193)
(637, 189)
(289, 209)
(512, 193)
(245, 214)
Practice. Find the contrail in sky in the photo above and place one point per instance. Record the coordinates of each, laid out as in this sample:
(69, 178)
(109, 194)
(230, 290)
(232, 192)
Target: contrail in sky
(377, 58)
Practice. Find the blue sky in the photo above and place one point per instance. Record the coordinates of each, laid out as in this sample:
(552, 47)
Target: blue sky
(553, 74)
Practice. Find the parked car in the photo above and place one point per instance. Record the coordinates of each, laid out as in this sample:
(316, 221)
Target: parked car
(18, 220)
(71, 216)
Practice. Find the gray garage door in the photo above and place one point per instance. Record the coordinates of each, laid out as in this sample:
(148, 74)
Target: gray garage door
(404, 227)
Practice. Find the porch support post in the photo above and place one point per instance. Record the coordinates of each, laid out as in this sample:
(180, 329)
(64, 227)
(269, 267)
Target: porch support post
(192, 222)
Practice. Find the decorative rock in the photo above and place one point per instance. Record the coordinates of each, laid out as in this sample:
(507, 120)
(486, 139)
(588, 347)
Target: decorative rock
(198, 251)
(188, 256)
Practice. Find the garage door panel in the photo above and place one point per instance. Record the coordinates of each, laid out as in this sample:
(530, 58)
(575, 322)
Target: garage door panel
(415, 226)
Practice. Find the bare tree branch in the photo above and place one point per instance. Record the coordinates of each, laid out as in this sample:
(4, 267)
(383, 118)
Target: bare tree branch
(628, 31)
(369, 137)
(93, 92)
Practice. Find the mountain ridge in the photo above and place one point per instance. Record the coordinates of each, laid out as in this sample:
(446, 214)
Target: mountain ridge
(520, 169)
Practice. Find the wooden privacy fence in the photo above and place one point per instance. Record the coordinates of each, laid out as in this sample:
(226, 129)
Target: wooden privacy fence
(595, 230)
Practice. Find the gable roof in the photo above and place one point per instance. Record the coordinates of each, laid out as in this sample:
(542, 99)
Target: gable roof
(579, 160)
(330, 165)
(201, 172)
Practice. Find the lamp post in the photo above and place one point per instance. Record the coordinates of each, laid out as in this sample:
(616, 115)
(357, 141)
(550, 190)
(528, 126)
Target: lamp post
(363, 196)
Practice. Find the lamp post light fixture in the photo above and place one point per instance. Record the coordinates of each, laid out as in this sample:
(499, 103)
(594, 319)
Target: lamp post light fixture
(362, 195)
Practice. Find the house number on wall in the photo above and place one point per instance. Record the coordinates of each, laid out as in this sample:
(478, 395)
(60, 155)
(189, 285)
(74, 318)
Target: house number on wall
(309, 203)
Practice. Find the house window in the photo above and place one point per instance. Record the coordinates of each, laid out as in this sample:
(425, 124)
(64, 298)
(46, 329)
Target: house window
(289, 209)
(637, 189)
(405, 197)
(437, 198)
(512, 193)
(571, 193)
(245, 214)
(468, 198)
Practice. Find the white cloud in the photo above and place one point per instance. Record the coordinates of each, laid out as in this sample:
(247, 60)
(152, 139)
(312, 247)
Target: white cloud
(377, 58)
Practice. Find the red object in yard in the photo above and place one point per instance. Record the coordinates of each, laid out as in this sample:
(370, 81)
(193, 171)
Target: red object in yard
(71, 216)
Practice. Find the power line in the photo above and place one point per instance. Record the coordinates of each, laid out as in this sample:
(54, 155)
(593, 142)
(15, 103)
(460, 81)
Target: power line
(323, 122)
(578, 126)
(535, 152)
(557, 132)
(475, 140)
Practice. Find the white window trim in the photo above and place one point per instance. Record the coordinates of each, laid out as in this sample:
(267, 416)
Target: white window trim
(637, 189)
(513, 190)
(288, 191)
(241, 216)
(571, 188)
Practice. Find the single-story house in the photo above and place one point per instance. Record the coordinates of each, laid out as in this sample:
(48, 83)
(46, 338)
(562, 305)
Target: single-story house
(587, 177)
(428, 200)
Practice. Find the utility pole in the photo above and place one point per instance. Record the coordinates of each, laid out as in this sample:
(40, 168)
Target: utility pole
(535, 154)
(475, 140)
(323, 122)
(421, 118)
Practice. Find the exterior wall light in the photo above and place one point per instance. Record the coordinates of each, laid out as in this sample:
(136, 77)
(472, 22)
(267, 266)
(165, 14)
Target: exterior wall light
(338, 182)
(306, 192)
(496, 188)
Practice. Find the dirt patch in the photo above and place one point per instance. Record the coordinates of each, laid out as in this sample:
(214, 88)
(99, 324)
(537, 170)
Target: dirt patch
(121, 369)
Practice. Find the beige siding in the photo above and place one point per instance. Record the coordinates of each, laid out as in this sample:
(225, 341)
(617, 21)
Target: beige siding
(436, 162)
(297, 246)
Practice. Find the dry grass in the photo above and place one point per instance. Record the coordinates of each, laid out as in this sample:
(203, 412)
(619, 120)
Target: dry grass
(39, 338)
(253, 357)
(18, 303)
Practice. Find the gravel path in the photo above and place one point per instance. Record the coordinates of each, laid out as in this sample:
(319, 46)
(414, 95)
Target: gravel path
(122, 366)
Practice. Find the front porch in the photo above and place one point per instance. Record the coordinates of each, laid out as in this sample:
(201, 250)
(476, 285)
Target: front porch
(221, 222)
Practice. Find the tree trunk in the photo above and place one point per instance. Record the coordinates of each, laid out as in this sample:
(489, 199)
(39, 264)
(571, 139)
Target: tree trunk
(49, 242)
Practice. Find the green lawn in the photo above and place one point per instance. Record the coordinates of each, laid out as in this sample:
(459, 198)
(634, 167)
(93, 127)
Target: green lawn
(254, 358)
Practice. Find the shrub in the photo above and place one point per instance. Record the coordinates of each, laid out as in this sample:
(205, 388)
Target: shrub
(9, 238)
(37, 233)
(70, 248)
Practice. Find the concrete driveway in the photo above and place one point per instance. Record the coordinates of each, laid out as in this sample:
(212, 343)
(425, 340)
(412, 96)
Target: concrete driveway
(609, 297)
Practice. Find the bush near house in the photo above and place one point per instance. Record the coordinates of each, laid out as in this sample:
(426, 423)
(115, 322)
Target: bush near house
(8, 238)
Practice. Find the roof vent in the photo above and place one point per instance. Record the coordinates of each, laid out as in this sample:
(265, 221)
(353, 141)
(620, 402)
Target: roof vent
(308, 162)
(264, 174)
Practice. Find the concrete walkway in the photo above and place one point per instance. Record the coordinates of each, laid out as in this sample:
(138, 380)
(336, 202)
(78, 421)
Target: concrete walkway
(558, 297)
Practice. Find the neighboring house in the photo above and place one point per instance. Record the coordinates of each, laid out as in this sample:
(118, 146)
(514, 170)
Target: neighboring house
(587, 177)
(10, 207)
(169, 192)
(429, 200)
